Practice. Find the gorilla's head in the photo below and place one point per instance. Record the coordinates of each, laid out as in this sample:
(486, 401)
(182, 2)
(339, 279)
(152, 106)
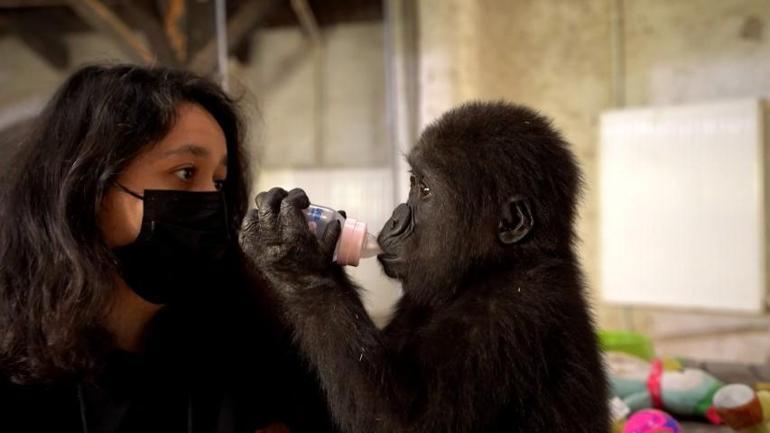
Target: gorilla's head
(493, 187)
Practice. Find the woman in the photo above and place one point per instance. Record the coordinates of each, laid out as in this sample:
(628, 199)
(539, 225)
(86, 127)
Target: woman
(122, 302)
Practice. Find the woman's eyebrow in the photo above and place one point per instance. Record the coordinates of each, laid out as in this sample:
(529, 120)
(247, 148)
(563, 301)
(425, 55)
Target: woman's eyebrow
(191, 149)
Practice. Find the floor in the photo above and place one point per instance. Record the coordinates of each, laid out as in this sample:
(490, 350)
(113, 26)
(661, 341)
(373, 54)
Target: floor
(696, 427)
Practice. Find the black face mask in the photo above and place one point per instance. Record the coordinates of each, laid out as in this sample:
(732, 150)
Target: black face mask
(181, 246)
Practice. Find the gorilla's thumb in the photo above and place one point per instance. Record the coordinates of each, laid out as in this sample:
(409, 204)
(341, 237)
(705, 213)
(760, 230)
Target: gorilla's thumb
(329, 240)
(249, 231)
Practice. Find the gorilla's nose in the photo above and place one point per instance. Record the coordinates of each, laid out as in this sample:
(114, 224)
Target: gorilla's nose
(400, 221)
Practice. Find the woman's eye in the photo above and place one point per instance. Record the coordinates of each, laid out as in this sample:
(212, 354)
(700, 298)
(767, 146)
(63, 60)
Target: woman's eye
(186, 174)
(219, 185)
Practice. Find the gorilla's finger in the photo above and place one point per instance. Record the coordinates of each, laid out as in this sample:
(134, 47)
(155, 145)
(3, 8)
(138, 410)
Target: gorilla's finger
(297, 198)
(270, 200)
(250, 221)
(249, 231)
(292, 218)
(268, 203)
(329, 239)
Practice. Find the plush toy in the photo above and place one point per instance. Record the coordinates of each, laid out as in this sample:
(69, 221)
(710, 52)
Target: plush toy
(677, 390)
(618, 413)
(652, 421)
(743, 409)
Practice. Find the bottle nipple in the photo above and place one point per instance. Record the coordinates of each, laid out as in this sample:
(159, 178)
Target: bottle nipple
(355, 243)
(371, 246)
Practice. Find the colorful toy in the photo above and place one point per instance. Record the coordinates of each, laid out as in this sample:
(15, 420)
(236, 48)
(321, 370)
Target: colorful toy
(679, 391)
(618, 411)
(743, 409)
(631, 343)
(652, 421)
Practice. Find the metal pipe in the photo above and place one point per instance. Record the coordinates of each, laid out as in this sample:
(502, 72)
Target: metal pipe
(221, 34)
(617, 51)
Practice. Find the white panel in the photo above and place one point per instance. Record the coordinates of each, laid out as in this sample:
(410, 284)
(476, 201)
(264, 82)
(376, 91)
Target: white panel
(682, 214)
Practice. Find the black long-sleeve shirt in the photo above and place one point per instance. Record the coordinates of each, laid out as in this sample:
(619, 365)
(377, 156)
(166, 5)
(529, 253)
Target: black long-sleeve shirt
(218, 365)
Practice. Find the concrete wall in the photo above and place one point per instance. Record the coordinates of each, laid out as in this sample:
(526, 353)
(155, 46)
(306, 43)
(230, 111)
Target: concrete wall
(688, 52)
(28, 81)
(696, 50)
(551, 55)
(558, 56)
(320, 106)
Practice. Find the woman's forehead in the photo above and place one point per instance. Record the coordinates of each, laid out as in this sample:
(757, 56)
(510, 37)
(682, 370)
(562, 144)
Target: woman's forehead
(195, 132)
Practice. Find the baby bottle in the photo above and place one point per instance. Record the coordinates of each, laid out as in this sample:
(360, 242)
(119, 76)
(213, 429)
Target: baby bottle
(354, 241)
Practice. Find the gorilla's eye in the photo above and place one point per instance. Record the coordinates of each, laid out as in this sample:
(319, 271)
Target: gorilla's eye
(424, 191)
(412, 181)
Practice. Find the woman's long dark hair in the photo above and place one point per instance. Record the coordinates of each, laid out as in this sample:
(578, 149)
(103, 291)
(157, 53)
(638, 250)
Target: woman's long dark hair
(56, 272)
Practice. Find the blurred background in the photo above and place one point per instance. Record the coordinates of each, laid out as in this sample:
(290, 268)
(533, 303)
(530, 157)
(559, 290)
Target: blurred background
(662, 101)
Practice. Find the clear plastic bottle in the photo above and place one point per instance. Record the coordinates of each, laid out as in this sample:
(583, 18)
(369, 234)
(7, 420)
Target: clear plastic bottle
(355, 241)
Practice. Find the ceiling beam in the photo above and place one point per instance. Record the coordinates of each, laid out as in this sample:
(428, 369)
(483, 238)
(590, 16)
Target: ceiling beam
(15, 4)
(144, 17)
(307, 20)
(238, 27)
(175, 27)
(46, 42)
(101, 18)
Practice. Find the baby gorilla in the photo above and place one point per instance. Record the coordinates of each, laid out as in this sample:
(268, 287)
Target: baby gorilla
(492, 333)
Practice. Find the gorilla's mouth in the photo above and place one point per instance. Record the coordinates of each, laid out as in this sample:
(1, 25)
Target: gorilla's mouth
(390, 264)
(387, 258)
(391, 239)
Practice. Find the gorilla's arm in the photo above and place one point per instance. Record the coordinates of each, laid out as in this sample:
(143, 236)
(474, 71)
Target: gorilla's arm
(373, 388)
(371, 384)
(330, 323)
(460, 384)
(357, 372)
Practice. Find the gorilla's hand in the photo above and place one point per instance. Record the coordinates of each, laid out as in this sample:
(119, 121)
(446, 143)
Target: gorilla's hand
(325, 313)
(276, 238)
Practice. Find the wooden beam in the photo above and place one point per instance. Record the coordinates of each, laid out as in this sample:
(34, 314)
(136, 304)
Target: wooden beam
(175, 26)
(238, 27)
(101, 18)
(46, 42)
(144, 17)
(200, 26)
(307, 20)
(15, 4)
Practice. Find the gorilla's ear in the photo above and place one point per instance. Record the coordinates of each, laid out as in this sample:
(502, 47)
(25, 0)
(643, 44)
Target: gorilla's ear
(516, 221)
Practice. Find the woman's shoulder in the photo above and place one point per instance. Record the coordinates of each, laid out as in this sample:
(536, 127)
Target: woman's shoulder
(37, 406)
(32, 390)
(10, 388)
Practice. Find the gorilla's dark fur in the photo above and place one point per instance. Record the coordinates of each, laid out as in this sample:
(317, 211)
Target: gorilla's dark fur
(493, 333)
